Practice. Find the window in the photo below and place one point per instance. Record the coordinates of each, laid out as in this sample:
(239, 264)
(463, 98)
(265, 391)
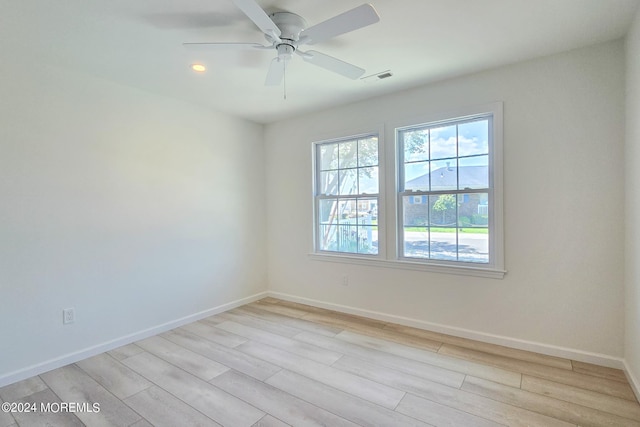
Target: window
(447, 216)
(445, 191)
(346, 195)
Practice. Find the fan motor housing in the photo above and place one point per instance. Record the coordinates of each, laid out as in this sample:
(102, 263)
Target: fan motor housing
(290, 24)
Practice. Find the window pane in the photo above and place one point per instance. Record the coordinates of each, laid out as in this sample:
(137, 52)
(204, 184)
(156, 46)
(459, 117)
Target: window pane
(474, 172)
(348, 154)
(367, 208)
(348, 182)
(347, 210)
(473, 210)
(328, 156)
(415, 218)
(368, 180)
(328, 183)
(368, 152)
(473, 245)
(416, 145)
(473, 234)
(443, 210)
(415, 211)
(327, 225)
(443, 142)
(348, 226)
(473, 138)
(442, 242)
(443, 232)
(347, 238)
(368, 240)
(416, 176)
(444, 175)
(416, 242)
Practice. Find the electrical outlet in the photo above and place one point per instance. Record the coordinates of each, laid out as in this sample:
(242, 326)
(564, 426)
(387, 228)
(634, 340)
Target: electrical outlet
(345, 280)
(68, 316)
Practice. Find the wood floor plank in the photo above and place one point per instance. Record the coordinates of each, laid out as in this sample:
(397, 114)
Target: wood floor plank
(349, 383)
(348, 324)
(430, 412)
(294, 322)
(561, 410)
(72, 384)
(210, 332)
(142, 423)
(499, 350)
(6, 419)
(276, 402)
(24, 388)
(113, 375)
(46, 418)
(304, 307)
(125, 351)
(300, 348)
(212, 320)
(440, 415)
(229, 357)
(269, 421)
(345, 405)
(343, 320)
(412, 367)
(244, 319)
(588, 382)
(447, 396)
(218, 405)
(269, 300)
(192, 362)
(613, 405)
(508, 377)
(599, 371)
(162, 409)
(277, 308)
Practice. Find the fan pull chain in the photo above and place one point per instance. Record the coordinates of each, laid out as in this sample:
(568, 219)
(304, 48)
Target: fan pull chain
(284, 86)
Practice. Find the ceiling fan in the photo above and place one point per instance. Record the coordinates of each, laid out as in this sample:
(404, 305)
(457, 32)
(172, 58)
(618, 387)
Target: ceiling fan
(286, 32)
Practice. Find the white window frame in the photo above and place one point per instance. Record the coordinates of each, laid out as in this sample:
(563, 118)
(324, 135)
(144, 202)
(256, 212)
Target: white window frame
(388, 210)
(420, 194)
(316, 251)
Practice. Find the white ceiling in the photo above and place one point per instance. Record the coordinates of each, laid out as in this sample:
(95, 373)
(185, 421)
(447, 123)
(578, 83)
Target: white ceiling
(139, 43)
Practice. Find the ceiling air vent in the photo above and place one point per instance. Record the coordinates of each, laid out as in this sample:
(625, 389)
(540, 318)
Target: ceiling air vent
(377, 76)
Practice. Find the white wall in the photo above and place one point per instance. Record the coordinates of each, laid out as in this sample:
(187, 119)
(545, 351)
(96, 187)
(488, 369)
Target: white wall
(632, 157)
(563, 138)
(132, 208)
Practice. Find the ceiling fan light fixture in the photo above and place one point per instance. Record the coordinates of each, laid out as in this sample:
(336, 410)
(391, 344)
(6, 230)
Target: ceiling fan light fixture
(198, 68)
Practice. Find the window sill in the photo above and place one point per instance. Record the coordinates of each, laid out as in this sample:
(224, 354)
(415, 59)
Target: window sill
(462, 270)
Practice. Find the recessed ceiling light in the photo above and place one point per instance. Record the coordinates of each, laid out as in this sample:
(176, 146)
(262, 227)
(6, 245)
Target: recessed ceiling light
(198, 68)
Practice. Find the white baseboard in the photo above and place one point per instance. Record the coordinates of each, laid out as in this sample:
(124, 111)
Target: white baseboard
(633, 380)
(76, 356)
(550, 350)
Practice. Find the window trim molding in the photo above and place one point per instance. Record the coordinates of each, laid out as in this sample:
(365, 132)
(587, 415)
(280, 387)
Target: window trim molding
(388, 250)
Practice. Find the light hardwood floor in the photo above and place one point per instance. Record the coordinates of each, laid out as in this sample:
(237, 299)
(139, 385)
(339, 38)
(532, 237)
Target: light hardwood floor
(276, 363)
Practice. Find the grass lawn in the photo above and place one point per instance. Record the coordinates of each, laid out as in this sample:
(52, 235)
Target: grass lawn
(449, 230)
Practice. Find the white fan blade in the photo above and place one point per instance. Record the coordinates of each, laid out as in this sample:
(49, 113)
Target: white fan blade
(258, 16)
(348, 21)
(332, 64)
(223, 46)
(275, 73)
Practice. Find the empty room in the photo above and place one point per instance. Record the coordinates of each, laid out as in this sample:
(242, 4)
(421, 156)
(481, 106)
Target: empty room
(319, 213)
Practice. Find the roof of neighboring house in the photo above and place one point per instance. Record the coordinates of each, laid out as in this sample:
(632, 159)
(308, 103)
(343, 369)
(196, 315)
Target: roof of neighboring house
(445, 178)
